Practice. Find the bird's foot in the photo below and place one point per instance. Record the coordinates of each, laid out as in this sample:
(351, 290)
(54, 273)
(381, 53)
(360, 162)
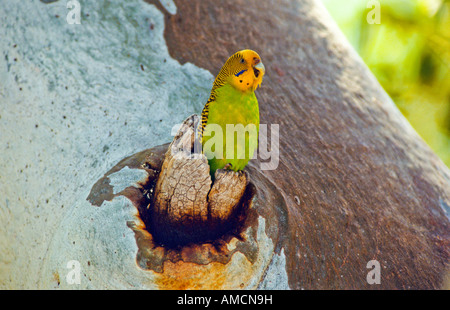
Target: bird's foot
(228, 166)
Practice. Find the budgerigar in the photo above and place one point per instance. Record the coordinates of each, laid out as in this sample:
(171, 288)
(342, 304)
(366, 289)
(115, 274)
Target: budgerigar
(233, 102)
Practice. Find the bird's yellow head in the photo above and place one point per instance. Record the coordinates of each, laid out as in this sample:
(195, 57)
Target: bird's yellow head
(244, 70)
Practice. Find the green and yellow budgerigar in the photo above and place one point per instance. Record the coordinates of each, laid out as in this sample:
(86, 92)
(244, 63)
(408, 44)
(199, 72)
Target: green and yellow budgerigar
(233, 103)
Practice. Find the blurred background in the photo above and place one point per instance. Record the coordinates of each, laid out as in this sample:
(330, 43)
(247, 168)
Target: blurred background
(407, 47)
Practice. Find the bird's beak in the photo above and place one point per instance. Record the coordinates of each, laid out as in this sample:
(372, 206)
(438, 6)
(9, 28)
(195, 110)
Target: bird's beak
(258, 69)
(260, 66)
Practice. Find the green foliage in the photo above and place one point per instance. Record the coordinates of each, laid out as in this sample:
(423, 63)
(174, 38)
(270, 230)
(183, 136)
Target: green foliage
(409, 53)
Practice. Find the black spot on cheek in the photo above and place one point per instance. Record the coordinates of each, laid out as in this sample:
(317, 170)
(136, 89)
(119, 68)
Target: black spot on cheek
(248, 83)
(240, 81)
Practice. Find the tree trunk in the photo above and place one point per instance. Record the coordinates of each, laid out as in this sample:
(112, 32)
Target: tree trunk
(354, 182)
(358, 182)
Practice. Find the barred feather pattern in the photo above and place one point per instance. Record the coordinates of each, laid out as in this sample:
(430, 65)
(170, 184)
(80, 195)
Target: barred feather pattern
(231, 67)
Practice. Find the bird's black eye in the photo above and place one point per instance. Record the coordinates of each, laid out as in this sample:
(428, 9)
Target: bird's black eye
(242, 60)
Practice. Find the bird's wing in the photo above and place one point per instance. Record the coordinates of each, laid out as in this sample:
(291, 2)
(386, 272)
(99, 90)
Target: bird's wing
(205, 113)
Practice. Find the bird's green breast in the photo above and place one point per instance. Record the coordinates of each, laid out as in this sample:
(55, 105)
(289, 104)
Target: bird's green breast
(232, 107)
